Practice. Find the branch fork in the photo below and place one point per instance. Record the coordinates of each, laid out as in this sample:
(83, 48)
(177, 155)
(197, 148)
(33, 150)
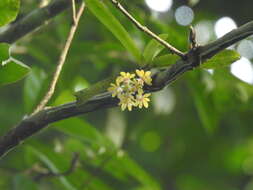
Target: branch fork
(34, 123)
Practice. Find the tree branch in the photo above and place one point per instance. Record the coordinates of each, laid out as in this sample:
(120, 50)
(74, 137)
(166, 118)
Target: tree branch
(34, 20)
(33, 124)
(62, 58)
(146, 30)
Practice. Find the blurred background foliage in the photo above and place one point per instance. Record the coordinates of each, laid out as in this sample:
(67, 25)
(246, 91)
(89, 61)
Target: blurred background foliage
(197, 133)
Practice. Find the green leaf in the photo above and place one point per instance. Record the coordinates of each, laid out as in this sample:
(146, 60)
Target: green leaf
(12, 71)
(222, 59)
(8, 11)
(153, 48)
(164, 60)
(107, 18)
(4, 52)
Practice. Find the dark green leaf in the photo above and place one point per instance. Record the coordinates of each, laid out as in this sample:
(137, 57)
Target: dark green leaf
(153, 48)
(4, 52)
(222, 59)
(105, 16)
(8, 11)
(12, 71)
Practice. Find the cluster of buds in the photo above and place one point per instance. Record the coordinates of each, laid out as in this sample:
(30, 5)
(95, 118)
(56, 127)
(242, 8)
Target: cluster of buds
(128, 88)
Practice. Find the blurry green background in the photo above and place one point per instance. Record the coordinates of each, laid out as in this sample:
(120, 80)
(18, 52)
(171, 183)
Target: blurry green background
(197, 133)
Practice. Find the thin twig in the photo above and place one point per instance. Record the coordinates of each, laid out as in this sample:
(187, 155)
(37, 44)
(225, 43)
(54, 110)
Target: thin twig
(146, 30)
(70, 170)
(61, 62)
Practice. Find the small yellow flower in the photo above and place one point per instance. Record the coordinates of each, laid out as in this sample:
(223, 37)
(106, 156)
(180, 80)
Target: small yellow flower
(142, 99)
(129, 89)
(137, 85)
(116, 90)
(126, 102)
(145, 76)
(125, 77)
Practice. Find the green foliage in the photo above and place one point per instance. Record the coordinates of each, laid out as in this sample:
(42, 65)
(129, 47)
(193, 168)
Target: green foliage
(8, 11)
(222, 59)
(153, 48)
(197, 133)
(112, 24)
(12, 71)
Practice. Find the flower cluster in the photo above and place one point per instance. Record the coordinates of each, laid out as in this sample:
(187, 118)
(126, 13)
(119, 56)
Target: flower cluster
(128, 88)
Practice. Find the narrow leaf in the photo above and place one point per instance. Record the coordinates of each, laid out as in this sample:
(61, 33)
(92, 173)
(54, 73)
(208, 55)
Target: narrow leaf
(222, 59)
(106, 17)
(8, 11)
(12, 71)
(153, 48)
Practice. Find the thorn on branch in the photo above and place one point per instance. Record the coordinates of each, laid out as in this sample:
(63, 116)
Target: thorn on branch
(71, 169)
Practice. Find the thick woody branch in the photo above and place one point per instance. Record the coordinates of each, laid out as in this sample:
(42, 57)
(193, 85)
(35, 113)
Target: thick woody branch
(34, 20)
(194, 57)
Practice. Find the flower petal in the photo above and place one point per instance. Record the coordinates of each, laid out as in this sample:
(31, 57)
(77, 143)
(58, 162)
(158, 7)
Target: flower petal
(145, 104)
